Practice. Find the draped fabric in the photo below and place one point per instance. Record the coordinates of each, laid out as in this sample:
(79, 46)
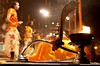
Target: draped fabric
(13, 19)
(44, 52)
(11, 42)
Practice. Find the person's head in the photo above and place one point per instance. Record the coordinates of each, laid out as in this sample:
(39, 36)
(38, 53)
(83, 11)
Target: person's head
(15, 5)
(30, 23)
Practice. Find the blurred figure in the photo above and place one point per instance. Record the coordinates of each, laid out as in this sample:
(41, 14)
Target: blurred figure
(28, 34)
(12, 36)
(44, 51)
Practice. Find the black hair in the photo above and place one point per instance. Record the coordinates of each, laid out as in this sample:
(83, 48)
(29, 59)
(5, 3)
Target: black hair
(13, 3)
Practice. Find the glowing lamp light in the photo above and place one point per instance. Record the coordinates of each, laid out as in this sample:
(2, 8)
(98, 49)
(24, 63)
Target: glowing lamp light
(46, 25)
(44, 12)
(50, 34)
(86, 29)
(67, 18)
(95, 47)
(53, 23)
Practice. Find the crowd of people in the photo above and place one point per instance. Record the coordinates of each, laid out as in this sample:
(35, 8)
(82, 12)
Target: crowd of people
(12, 33)
(30, 34)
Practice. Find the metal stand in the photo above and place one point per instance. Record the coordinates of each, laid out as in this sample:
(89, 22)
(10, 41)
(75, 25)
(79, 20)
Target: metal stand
(81, 40)
(81, 56)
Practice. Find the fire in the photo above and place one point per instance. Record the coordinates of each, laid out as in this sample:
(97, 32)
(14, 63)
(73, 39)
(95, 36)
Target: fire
(86, 29)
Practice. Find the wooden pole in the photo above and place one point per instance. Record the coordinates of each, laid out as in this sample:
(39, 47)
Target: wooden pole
(74, 21)
(80, 15)
(69, 25)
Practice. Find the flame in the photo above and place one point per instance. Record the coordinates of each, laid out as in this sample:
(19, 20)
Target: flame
(86, 29)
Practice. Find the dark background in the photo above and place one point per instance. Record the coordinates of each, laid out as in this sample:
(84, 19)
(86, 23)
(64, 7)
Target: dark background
(91, 16)
(90, 12)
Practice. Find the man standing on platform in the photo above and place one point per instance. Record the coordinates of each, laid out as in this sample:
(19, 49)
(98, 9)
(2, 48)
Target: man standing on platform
(12, 36)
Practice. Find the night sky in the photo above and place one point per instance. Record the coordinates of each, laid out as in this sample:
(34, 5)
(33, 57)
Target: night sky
(90, 9)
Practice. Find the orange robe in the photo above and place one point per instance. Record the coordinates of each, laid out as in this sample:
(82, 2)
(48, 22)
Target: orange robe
(44, 52)
(12, 36)
(13, 19)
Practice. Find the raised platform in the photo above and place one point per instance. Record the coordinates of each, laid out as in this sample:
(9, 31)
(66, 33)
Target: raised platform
(6, 61)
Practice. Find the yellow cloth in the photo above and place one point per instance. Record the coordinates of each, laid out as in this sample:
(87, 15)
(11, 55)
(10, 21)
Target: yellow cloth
(44, 52)
(28, 35)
